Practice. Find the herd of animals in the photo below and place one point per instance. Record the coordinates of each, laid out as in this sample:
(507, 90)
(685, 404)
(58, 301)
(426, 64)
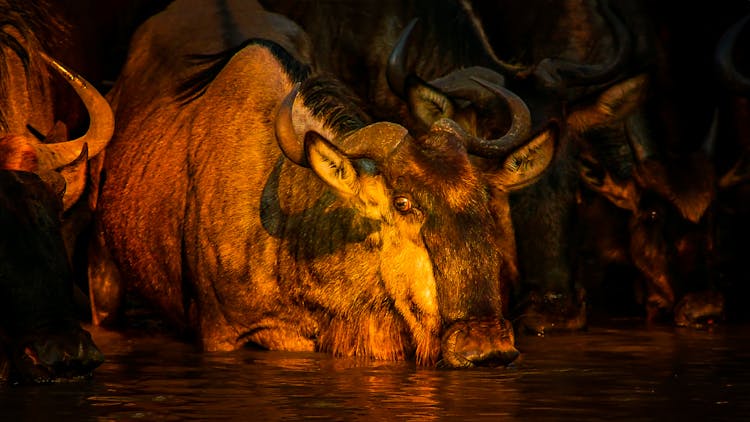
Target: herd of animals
(383, 179)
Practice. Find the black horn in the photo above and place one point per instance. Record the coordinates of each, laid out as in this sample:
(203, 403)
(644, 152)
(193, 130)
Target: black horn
(507, 69)
(732, 78)
(286, 136)
(516, 135)
(396, 72)
(559, 74)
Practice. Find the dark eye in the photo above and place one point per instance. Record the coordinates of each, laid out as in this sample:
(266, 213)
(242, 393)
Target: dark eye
(402, 203)
(651, 215)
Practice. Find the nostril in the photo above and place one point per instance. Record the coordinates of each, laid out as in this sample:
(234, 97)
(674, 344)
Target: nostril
(496, 358)
(479, 343)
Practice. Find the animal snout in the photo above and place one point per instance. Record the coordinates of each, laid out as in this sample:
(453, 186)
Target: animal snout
(699, 309)
(71, 354)
(478, 343)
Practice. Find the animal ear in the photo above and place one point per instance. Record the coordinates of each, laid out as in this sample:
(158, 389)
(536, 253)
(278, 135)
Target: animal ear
(428, 103)
(622, 194)
(58, 133)
(738, 174)
(331, 164)
(69, 181)
(615, 103)
(75, 178)
(591, 172)
(526, 164)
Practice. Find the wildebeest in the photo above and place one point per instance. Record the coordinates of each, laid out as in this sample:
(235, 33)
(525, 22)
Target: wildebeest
(286, 220)
(40, 336)
(733, 163)
(91, 37)
(597, 61)
(582, 65)
(661, 181)
(381, 52)
(667, 178)
(447, 50)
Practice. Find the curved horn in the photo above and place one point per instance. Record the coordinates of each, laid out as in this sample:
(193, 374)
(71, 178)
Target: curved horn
(101, 121)
(395, 72)
(735, 81)
(516, 135)
(286, 137)
(508, 69)
(559, 74)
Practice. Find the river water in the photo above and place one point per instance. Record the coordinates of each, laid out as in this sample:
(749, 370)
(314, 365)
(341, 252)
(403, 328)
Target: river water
(610, 372)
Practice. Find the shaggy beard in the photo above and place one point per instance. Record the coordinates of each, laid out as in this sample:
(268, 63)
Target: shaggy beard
(381, 336)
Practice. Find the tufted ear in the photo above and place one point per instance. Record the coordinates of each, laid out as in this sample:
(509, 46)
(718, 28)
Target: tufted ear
(331, 165)
(623, 194)
(68, 181)
(738, 174)
(75, 178)
(428, 103)
(526, 164)
(58, 133)
(615, 103)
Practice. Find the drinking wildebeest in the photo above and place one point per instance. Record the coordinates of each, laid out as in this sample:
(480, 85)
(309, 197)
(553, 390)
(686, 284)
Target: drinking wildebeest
(40, 336)
(666, 181)
(251, 215)
(583, 65)
(733, 163)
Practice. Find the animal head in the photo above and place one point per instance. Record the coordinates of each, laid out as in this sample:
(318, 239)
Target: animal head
(427, 219)
(666, 195)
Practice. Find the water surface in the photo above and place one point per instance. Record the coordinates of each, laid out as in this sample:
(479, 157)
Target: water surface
(611, 372)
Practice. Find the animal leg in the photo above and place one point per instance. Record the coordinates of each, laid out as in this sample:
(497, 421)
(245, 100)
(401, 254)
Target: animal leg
(105, 282)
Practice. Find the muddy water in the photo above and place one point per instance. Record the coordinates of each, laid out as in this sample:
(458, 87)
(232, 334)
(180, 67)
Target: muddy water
(611, 372)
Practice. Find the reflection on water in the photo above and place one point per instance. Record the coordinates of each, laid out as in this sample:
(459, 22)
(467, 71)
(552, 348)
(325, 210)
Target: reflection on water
(606, 373)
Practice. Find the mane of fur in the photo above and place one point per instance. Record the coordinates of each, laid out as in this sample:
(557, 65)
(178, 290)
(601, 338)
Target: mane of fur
(210, 65)
(326, 97)
(25, 28)
(333, 103)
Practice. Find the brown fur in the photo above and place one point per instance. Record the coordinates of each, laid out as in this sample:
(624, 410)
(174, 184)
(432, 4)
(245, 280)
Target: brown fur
(17, 154)
(26, 27)
(204, 216)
